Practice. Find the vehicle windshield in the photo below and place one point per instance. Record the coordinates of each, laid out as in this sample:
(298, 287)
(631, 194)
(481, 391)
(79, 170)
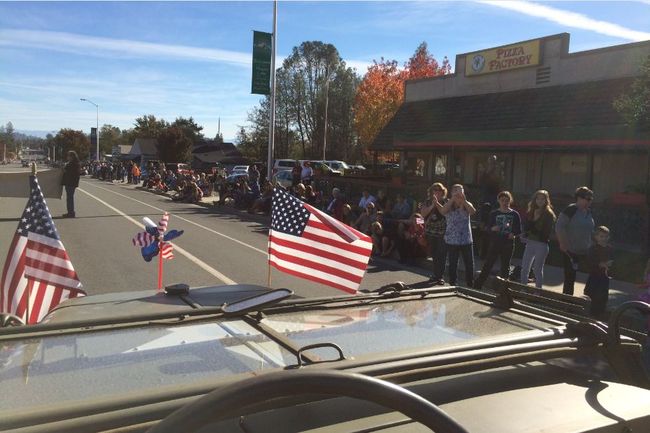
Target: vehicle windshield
(157, 356)
(164, 356)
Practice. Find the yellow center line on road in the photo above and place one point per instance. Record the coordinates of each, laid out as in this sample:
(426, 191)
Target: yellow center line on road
(182, 251)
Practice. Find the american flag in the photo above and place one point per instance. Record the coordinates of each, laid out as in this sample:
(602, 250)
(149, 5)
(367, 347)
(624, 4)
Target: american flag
(310, 244)
(38, 269)
(167, 250)
(143, 239)
(162, 224)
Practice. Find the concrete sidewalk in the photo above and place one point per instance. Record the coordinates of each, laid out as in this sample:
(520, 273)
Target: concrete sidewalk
(619, 291)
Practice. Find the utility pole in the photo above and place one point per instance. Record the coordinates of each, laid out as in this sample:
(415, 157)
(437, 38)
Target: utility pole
(97, 128)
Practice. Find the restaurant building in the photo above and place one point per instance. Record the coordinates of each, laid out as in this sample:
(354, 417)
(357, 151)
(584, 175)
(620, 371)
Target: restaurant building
(546, 114)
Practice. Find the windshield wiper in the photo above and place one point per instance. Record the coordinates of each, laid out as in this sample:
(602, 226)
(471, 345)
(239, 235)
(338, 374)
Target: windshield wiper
(256, 303)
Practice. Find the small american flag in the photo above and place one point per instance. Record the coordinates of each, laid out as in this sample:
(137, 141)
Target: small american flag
(167, 250)
(143, 239)
(162, 224)
(310, 244)
(38, 269)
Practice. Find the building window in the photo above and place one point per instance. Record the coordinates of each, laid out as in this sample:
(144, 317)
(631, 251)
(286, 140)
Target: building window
(418, 164)
(440, 166)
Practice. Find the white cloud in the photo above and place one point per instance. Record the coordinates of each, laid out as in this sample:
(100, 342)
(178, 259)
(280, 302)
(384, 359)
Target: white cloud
(124, 48)
(82, 44)
(569, 19)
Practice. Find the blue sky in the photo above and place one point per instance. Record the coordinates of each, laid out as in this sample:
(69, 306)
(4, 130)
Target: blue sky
(193, 59)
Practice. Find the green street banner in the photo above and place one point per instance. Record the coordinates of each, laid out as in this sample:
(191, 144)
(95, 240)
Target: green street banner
(260, 83)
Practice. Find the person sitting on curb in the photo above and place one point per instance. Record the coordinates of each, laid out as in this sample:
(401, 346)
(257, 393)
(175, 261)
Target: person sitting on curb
(385, 238)
(412, 242)
(335, 206)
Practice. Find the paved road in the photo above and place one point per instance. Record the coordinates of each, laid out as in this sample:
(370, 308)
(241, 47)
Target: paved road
(217, 248)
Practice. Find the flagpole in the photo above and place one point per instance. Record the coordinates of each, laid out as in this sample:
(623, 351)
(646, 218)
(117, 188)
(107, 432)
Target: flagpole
(29, 286)
(160, 264)
(268, 261)
(274, 41)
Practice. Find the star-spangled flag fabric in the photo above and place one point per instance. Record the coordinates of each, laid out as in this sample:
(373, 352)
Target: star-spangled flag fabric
(309, 244)
(37, 265)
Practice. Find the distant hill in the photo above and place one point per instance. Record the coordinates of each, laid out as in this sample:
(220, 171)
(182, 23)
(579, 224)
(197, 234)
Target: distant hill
(38, 134)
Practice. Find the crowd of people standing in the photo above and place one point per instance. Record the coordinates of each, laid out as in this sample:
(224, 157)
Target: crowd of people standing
(441, 227)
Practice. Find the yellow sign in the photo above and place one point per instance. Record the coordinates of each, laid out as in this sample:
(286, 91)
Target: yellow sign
(502, 59)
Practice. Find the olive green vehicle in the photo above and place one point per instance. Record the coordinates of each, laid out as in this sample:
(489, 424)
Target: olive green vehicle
(245, 358)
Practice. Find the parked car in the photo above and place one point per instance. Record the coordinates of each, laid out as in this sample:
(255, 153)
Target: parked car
(235, 177)
(239, 169)
(178, 168)
(283, 178)
(321, 168)
(246, 358)
(283, 164)
(339, 166)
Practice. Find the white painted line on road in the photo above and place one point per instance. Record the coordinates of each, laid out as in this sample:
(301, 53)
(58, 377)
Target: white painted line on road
(244, 244)
(184, 252)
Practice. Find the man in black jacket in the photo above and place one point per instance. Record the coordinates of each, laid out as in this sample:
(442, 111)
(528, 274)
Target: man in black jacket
(71, 174)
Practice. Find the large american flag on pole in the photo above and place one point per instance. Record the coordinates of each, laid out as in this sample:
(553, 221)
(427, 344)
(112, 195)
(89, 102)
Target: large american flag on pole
(37, 268)
(307, 243)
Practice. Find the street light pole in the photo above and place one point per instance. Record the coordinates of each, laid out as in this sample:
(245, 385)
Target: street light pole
(97, 128)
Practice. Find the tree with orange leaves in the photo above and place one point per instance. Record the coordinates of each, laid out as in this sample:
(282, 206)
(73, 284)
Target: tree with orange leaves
(381, 91)
(378, 97)
(423, 65)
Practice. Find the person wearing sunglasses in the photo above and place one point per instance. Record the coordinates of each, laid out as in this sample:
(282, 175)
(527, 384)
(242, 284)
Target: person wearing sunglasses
(574, 229)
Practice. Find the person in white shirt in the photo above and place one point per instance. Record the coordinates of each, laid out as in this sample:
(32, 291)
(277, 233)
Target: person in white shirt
(307, 173)
(366, 198)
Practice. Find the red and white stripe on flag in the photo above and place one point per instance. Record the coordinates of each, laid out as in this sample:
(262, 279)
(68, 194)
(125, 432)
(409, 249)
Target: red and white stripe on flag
(328, 252)
(143, 239)
(162, 224)
(16, 287)
(167, 250)
(46, 260)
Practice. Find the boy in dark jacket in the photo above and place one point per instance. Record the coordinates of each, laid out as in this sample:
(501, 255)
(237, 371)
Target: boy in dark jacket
(598, 263)
(505, 226)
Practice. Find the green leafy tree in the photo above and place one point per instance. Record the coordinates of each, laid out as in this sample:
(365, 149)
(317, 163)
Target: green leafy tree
(109, 137)
(634, 105)
(148, 126)
(190, 128)
(256, 144)
(7, 137)
(69, 139)
(312, 81)
(174, 145)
